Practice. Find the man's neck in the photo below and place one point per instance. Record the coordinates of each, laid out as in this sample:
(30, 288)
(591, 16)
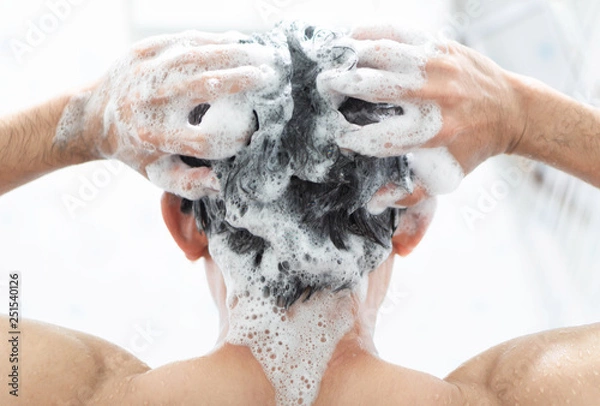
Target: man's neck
(301, 343)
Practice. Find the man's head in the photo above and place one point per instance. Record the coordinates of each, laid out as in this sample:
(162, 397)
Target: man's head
(291, 219)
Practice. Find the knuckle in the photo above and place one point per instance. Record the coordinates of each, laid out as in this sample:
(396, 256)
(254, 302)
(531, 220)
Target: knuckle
(144, 52)
(196, 56)
(454, 93)
(452, 47)
(447, 66)
(144, 134)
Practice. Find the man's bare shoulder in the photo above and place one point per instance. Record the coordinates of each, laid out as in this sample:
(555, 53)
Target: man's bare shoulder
(62, 366)
(367, 380)
(232, 376)
(553, 367)
(229, 375)
(66, 367)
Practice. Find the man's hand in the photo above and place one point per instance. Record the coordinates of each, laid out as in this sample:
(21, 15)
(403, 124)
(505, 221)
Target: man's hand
(460, 108)
(139, 112)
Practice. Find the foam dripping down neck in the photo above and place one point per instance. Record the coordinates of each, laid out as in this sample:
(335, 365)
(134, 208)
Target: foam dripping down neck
(290, 230)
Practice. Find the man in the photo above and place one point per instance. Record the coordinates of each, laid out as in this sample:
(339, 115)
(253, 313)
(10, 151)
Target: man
(485, 110)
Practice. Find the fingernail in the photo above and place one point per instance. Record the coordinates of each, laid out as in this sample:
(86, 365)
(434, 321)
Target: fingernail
(212, 182)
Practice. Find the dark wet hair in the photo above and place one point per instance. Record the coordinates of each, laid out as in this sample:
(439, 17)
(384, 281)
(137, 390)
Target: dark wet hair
(330, 205)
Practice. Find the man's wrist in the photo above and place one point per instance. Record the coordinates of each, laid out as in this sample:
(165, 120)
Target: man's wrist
(519, 137)
(77, 129)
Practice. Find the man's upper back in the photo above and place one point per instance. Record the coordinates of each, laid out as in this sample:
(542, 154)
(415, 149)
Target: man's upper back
(63, 367)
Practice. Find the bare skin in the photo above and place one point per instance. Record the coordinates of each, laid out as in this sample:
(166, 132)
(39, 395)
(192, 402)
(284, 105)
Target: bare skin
(30, 134)
(128, 113)
(65, 367)
(486, 112)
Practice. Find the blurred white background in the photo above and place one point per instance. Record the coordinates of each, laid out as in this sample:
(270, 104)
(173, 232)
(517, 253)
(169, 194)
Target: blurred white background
(515, 250)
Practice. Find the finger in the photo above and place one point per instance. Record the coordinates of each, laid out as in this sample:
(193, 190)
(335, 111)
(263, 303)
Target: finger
(150, 47)
(208, 86)
(418, 195)
(179, 139)
(437, 170)
(225, 82)
(396, 135)
(227, 127)
(395, 196)
(390, 56)
(386, 197)
(167, 130)
(172, 175)
(214, 57)
(391, 32)
(375, 86)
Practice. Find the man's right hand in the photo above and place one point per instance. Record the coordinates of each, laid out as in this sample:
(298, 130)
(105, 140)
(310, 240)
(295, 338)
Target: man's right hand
(460, 108)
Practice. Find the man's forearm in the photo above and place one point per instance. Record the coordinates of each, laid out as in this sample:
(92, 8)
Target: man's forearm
(28, 148)
(561, 132)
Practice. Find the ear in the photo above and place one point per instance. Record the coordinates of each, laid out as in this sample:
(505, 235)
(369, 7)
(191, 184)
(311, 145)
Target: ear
(412, 227)
(183, 228)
